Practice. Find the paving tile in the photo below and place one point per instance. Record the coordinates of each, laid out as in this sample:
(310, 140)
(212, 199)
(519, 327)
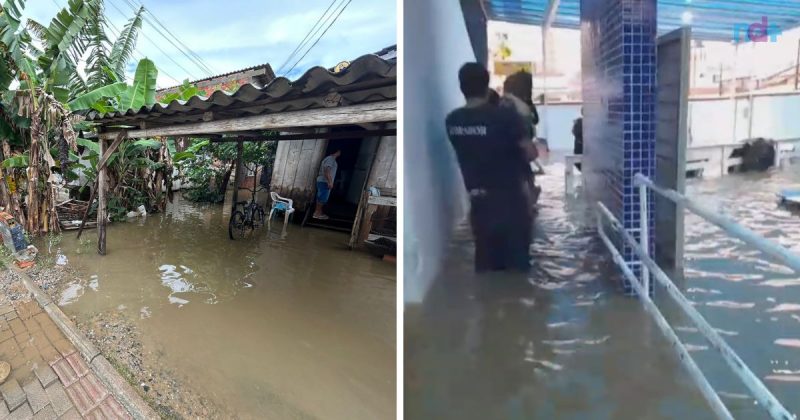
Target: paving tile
(3, 410)
(46, 375)
(49, 353)
(30, 353)
(64, 371)
(4, 309)
(23, 412)
(113, 409)
(37, 398)
(72, 414)
(63, 346)
(13, 394)
(23, 338)
(28, 309)
(78, 364)
(11, 315)
(9, 349)
(53, 333)
(38, 339)
(80, 398)
(31, 325)
(46, 413)
(94, 388)
(58, 398)
(42, 319)
(17, 326)
(5, 333)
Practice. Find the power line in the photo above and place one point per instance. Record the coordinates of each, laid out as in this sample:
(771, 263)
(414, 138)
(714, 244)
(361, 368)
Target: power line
(303, 42)
(156, 45)
(117, 33)
(320, 37)
(199, 63)
(205, 64)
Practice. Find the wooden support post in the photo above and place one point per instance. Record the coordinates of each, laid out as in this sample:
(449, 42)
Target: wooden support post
(104, 156)
(101, 203)
(797, 68)
(88, 207)
(237, 181)
(366, 224)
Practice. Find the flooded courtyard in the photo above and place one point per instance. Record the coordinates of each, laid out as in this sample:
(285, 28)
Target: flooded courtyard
(562, 342)
(273, 326)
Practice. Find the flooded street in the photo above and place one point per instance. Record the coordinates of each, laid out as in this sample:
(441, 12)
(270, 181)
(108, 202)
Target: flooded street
(563, 342)
(265, 327)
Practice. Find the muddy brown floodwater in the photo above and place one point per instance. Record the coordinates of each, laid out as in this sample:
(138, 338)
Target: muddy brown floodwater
(292, 327)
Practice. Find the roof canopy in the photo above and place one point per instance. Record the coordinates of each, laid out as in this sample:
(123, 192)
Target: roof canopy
(710, 19)
(368, 84)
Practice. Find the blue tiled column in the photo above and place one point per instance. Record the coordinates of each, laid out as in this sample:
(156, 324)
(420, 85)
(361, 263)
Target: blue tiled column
(618, 44)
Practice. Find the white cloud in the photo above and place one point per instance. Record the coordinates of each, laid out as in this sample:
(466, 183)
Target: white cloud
(234, 34)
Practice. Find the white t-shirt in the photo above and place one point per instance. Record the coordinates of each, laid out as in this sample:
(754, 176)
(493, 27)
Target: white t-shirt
(328, 162)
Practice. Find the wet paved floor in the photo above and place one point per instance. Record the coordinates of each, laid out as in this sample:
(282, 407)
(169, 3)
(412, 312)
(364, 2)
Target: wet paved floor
(562, 343)
(49, 379)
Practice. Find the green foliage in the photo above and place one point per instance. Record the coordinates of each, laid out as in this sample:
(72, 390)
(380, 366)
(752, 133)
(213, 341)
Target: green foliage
(143, 91)
(204, 166)
(185, 92)
(120, 96)
(16, 161)
(88, 100)
(123, 48)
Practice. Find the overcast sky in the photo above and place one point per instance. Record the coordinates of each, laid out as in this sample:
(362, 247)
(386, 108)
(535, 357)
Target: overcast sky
(232, 34)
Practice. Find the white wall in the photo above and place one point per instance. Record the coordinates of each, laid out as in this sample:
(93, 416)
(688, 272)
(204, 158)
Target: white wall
(436, 45)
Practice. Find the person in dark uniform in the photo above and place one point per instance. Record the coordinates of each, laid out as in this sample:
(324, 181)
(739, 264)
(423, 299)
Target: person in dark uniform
(577, 133)
(488, 141)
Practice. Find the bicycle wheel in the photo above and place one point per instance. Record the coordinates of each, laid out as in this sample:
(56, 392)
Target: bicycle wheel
(258, 216)
(237, 227)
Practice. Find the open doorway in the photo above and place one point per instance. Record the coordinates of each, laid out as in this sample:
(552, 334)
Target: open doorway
(354, 165)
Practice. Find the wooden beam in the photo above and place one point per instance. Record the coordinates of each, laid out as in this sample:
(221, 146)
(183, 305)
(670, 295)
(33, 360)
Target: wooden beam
(383, 201)
(101, 200)
(354, 134)
(100, 166)
(107, 155)
(383, 111)
(237, 180)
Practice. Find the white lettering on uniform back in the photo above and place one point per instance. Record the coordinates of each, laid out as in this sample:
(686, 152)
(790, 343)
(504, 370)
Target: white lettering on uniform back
(468, 130)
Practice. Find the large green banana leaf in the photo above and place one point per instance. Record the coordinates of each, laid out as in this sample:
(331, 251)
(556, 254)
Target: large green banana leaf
(143, 91)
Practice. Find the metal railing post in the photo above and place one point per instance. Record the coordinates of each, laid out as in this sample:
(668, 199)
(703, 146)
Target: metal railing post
(649, 268)
(644, 233)
(568, 175)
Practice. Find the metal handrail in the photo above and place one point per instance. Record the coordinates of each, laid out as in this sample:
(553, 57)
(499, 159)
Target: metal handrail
(569, 172)
(649, 266)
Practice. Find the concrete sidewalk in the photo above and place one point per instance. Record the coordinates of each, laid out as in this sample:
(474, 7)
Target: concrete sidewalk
(49, 379)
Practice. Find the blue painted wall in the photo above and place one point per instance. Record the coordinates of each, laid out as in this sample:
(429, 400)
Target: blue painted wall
(618, 42)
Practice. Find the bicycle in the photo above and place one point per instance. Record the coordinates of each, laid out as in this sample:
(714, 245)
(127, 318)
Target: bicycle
(247, 215)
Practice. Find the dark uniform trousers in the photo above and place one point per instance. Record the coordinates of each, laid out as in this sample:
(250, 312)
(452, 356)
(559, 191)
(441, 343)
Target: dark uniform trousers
(502, 225)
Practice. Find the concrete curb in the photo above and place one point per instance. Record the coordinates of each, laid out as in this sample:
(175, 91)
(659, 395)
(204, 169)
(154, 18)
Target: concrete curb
(101, 367)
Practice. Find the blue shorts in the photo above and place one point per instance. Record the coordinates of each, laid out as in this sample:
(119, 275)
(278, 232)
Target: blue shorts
(323, 192)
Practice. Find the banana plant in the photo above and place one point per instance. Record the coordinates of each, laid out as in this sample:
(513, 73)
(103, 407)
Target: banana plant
(121, 96)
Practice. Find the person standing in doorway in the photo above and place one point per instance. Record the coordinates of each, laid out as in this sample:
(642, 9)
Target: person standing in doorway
(577, 132)
(327, 173)
(488, 141)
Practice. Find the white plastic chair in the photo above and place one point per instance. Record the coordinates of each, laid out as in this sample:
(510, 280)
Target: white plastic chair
(281, 204)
